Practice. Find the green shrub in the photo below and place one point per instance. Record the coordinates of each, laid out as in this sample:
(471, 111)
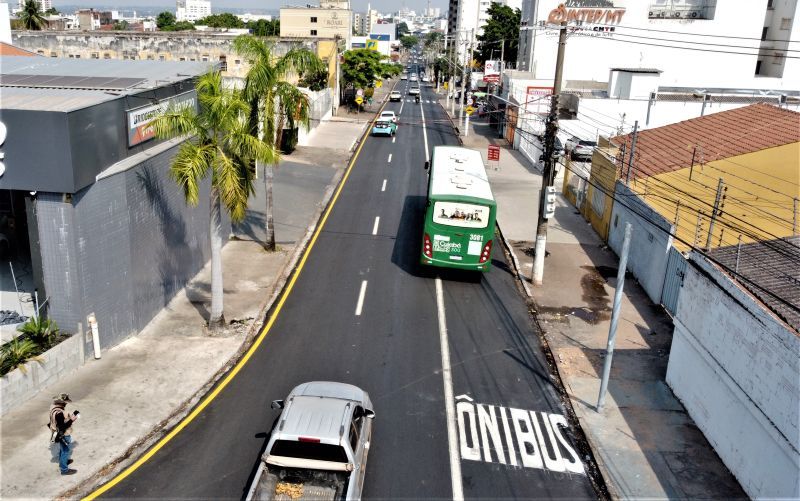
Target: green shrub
(15, 353)
(41, 331)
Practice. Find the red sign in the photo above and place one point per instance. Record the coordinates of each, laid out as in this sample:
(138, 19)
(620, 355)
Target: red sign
(494, 153)
(491, 78)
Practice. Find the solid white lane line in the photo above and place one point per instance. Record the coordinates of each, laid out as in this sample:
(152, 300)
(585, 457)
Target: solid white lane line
(449, 403)
(402, 103)
(361, 294)
(375, 226)
(424, 134)
(390, 158)
(383, 188)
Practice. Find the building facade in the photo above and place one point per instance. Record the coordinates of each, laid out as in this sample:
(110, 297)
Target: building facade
(43, 4)
(466, 19)
(700, 43)
(316, 22)
(96, 217)
(192, 10)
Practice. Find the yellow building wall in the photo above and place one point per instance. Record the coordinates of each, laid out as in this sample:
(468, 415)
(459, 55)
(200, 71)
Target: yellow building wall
(758, 204)
(604, 176)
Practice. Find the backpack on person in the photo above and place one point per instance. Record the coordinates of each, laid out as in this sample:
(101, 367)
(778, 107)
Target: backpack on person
(55, 433)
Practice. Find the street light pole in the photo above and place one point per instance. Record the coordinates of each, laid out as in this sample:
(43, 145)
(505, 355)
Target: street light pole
(548, 176)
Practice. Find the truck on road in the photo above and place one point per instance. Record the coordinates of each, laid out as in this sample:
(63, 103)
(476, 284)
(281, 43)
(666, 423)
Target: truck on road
(319, 445)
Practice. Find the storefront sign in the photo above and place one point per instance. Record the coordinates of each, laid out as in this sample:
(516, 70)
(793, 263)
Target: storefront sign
(139, 129)
(334, 21)
(494, 153)
(491, 72)
(588, 12)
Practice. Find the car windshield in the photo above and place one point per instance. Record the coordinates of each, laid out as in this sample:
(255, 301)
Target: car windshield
(588, 143)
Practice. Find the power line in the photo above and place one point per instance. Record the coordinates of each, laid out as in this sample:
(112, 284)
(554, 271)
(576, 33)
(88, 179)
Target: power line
(694, 34)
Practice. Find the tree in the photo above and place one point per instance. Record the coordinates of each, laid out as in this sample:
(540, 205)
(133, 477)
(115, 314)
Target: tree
(361, 68)
(182, 26)
(388, 70)
(433, 39)
(500, 32)
(274, 101)
(165, 20)
(32, 16)
(264, 28)
(315, 80)
(401, 30)
(409, 41)
(121, 25)
(220, 146)
(52, 11)
(224, 20)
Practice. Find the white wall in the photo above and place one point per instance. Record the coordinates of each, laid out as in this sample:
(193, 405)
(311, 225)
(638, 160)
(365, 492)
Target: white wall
(590, 54)
(5, 24)
(649, 249)
(736, 369)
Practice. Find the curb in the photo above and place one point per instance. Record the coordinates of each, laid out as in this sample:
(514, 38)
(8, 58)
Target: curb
(161, 429)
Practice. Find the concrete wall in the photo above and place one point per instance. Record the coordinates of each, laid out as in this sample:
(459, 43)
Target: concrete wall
(20, 385)
(649, 250)
(121, 248)
(736, 368)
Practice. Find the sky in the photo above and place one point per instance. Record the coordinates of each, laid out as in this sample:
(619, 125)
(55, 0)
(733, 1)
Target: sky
(382, 6)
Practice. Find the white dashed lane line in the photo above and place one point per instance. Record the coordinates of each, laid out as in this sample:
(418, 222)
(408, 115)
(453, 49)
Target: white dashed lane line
(375, 226)
(383, 187)
(390, 158)
(361, 295)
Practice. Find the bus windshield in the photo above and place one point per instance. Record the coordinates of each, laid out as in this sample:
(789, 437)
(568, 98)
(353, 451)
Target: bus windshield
(460, 214)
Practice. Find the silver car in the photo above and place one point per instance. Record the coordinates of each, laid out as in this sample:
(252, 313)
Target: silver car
(318, 448)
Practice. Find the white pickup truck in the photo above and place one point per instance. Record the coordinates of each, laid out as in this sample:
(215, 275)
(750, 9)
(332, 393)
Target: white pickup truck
(318, 449)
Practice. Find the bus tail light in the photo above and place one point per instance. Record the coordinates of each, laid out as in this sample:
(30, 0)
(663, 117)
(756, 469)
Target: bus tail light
(427, 249)
(487, 251)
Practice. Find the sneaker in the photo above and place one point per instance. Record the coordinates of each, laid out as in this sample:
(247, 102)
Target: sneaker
(69, 472)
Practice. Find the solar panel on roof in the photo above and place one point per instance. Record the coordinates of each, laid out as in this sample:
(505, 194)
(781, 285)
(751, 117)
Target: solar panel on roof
(69, 82)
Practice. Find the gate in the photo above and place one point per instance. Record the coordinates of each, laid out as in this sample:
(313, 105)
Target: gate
(673, 280)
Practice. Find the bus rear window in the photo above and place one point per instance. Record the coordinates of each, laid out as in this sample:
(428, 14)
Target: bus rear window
(309, 450)
(461, 214)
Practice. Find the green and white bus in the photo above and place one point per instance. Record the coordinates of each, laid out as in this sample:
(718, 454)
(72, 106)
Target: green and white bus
(460, 212)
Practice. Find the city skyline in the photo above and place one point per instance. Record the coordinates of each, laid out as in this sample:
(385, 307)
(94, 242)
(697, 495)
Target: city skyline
(274, 5)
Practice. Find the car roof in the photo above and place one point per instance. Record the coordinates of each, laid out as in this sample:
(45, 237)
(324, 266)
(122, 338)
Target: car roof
(387, 113)
(319, 409)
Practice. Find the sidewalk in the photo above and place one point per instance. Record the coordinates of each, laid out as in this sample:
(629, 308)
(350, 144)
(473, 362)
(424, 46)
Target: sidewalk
(644, 442)
(148, 383)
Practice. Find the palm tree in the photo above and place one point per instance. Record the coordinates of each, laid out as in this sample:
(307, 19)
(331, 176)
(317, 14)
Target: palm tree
(274, 101)
(221, 145)
(32, 16)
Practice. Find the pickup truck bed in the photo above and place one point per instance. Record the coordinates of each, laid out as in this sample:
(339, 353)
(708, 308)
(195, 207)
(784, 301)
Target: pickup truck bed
(315, 485)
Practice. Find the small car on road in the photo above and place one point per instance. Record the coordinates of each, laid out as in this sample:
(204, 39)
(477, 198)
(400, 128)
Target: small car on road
(413, 91)
(403, 77)
(581, 149)
(384, 128)
(388, 115)
(395, 96)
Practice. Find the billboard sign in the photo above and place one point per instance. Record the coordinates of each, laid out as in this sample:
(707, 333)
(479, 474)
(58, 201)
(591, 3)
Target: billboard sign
(380, 36)
(491, 72)
(139, 119)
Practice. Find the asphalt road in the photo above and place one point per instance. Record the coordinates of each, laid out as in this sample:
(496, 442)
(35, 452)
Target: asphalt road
(508, 410)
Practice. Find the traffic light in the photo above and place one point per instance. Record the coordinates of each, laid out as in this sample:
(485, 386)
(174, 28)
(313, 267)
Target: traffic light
(549, 201)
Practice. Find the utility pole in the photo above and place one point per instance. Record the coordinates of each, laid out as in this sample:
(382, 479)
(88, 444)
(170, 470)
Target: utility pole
(468, 79)
(548, 176)
(633, 150)
(715, 212)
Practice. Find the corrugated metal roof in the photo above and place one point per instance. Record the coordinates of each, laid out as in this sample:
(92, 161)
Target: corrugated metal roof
(149, 74)
(772, 266)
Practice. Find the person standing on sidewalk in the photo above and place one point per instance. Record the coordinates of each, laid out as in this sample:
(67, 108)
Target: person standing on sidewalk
(61, 424)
